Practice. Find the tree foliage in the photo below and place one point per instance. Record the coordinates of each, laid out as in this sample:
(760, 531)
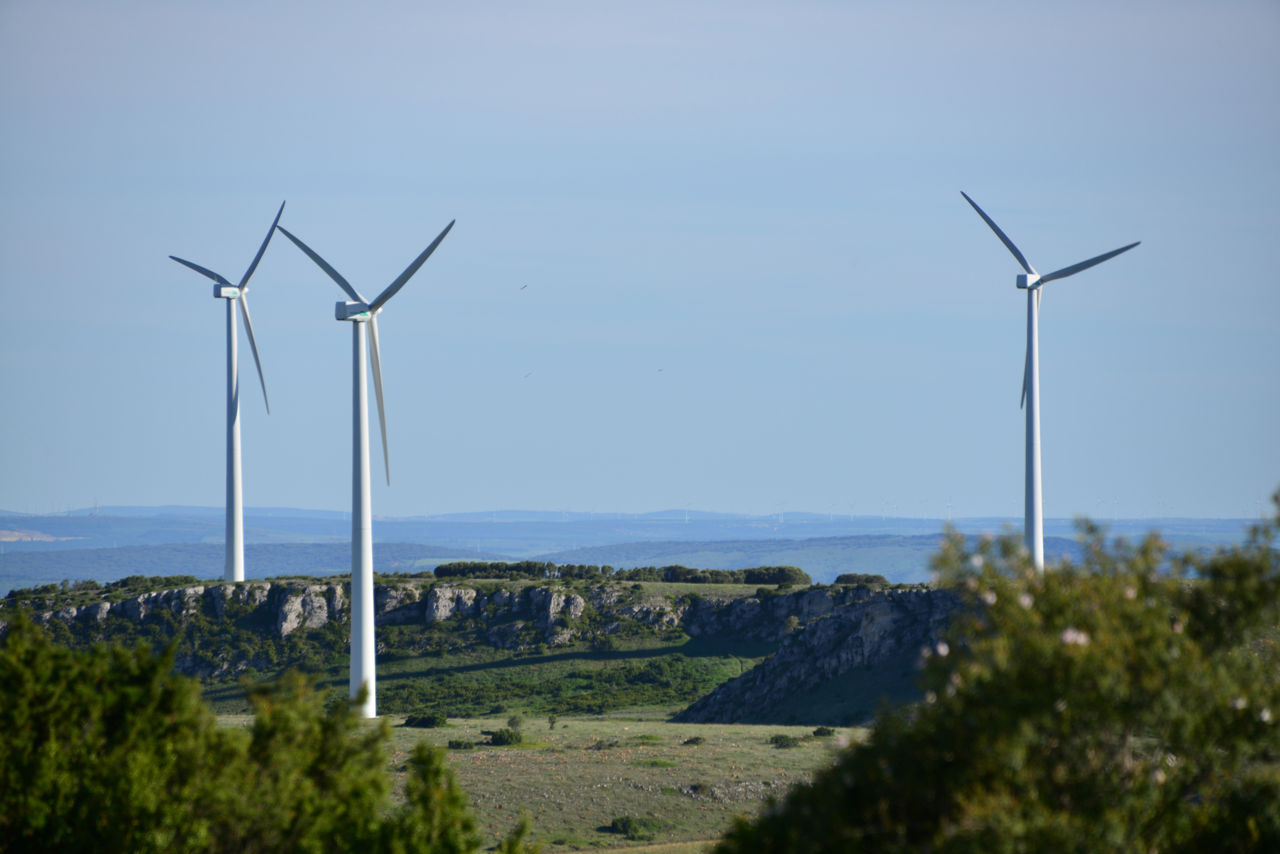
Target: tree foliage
(1126, 704)
(108, 750)
(861, 579)
(539, 570)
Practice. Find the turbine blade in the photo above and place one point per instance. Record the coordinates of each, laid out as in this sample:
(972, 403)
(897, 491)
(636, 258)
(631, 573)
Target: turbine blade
(1026, 362)
(253, 345)
(376, 361)
(1026, 370)
(323, 265)
(201, 270)
(1004, 238)
(262, 248)
(409, 271)
(1084, 265)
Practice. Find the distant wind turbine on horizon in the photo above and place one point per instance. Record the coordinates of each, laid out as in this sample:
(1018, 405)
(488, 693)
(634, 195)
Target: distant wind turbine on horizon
(236, 295)
(1031, 281)
(360, 312)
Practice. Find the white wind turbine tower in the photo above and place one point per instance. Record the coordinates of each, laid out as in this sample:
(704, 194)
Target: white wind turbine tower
(236, 295)
(358, 313)
(1032, 281)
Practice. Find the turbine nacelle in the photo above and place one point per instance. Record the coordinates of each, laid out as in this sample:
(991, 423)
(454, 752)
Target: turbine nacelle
(1028, 280)
(356, 312)
(226, 292)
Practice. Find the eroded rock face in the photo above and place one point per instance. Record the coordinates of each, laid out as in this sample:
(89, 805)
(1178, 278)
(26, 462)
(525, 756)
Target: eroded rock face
(444, 602)
(97, 612)
(181, 602)
(548, 603)
(251, 593)
(308, 609)
(396, 606)
(889, 626)
(513, 618)
(500, 601)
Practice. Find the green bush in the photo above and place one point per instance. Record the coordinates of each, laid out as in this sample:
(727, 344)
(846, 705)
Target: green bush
(506, 736)
(461, 744)
(860, 579)
(636, 828)
(430, 720)
(782, 741)
(107, 750)
(1127, 704)
(823, 732)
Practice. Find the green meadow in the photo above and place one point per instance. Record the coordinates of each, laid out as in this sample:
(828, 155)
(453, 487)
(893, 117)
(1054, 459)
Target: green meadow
(685, 782)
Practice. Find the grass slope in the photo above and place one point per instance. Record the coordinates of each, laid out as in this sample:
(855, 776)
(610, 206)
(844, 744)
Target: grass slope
(575, 679)
(574, 780)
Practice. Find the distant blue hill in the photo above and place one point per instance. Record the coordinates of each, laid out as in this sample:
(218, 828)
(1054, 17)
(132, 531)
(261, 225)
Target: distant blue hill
(523, 533)
(824, 545)
(900, 559)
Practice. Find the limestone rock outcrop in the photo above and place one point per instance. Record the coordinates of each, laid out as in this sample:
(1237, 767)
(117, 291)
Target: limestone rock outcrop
(884, 626)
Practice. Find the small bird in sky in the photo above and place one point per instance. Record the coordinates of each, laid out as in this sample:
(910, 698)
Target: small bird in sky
(526, 376)
(522, 287)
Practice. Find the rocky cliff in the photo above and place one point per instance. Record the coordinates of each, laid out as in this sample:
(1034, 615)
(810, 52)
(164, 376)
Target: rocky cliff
(872, 644)
(839, 648)
(506, 614)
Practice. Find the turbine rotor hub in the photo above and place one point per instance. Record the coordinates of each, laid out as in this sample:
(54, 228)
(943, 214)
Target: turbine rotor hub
(1028, 280)
(226, 292)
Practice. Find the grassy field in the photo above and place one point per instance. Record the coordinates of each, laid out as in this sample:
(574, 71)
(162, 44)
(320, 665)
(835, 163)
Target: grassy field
(575, 779)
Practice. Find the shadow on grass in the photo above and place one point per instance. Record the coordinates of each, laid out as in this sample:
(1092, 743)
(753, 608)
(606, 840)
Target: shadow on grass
(692, 648)
(334, 678)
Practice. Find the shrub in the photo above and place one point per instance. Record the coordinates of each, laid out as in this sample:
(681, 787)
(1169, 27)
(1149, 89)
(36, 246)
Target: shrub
(1126, 704)
(504, 737)
(636, 827)
(515, 721)
(461, 744)
(694, 741)
(783, 741)
(430, 720)
(857, 579)
(823, 732)
(107, 749)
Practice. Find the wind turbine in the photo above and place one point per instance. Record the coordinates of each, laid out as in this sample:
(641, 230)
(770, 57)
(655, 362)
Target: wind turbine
(1031, 281)
(236, 295)
(360, 312)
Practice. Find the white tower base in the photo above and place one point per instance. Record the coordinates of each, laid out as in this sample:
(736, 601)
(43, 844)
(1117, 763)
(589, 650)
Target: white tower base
(234, 570)
(1034, 510)
(363, 648)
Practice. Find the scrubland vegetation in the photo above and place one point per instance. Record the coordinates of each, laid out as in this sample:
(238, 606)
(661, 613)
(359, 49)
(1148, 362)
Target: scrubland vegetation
(1130, 703)
(1126, 703)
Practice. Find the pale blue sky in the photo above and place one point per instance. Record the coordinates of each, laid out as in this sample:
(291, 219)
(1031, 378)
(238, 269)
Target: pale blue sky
(752, 283)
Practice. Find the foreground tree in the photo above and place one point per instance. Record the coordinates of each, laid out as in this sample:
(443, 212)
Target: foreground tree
(1127, 704)
(108, 750)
